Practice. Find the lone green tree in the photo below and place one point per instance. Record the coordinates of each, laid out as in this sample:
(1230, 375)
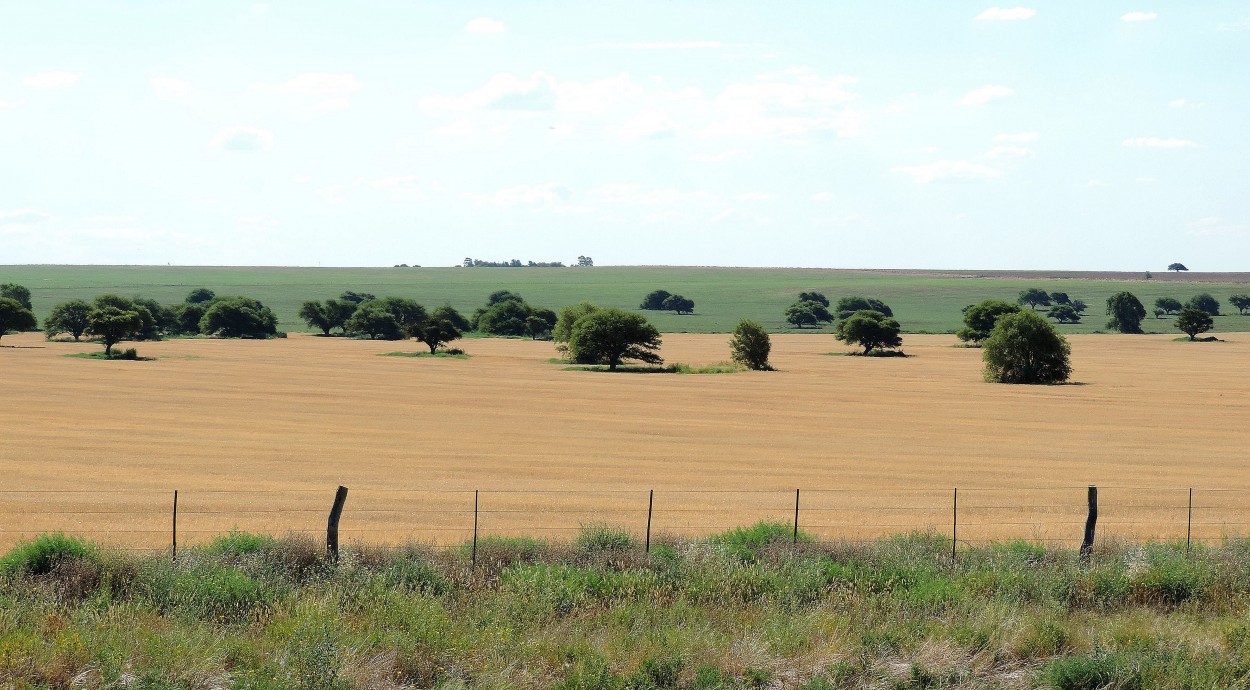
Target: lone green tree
(1178, 267)
(751, 345)
(654, 301)
(1192, 321)
(200, 296)
(1206, 303)
(18, 293)
(1034, 297)
(71, 317)
(15, 317)
(679, 304)
(1126, 312)
(610, 336)
(1241, 302)
(327, 315)
(113, 325)
(435, 332)
(1064, 313)
(1060, 298)
(1169, 305)
(979, 319)
(1025, 348)
(870, 330)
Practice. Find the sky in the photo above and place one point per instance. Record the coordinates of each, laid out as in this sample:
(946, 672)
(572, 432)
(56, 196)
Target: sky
(1060, 135)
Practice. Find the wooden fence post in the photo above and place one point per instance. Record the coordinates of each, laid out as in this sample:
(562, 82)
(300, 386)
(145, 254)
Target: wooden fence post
(175, 532)
(473, 558)
(954, 524)
(1091, 521)
(650, 505)
(1189, 526)
(332, 525)
(796, 517)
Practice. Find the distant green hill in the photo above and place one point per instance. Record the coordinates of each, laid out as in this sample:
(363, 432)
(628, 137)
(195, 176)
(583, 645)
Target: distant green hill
(923, 301)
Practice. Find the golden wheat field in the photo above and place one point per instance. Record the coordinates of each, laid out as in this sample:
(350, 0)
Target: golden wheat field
(256, 436)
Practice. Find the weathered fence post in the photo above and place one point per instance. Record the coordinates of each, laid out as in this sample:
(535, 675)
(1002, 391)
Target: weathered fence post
(954, 524)
(175, 532)
(1091, 521)
(650, 505)
(796, 517)
(332, 524)
(1189, 526)
(473, 558)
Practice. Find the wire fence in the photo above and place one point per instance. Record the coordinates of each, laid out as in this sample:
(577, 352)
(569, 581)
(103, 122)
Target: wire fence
(147, 520)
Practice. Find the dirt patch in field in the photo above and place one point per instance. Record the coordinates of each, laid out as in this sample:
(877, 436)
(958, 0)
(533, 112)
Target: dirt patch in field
(256, 436)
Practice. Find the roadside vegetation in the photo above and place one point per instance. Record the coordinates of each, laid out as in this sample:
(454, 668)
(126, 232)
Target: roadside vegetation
(747, 608)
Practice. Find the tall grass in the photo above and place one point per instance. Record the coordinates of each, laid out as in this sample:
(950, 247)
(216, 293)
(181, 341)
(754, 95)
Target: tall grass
(748, 608)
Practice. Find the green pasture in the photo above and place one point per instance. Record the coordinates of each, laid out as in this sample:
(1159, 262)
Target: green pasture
(723, 296)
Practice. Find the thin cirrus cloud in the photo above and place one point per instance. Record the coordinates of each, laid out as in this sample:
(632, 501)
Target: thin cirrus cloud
(1006, 14)
(1139, 16)
(948, 171)
(171, 89)
(986, 94)
(242, 139)
(47, 81)
(485, 25)
(1158, 143)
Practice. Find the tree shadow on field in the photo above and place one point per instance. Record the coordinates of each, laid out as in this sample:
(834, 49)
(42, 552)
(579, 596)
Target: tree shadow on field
(23, 347)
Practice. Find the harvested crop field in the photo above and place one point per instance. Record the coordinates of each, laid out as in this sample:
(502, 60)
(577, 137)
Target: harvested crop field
(257, 435)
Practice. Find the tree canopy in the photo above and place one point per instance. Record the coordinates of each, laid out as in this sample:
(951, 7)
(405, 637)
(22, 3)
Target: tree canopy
(679, 304)
(1192, 321)
(1064, 313)
(979, 319)
(18, 293)
(114, 324)
(610, 336)
(371, 320)
(200, 295)
(849, 305)
(870, 330)
(567, 317)
(507, 317)
(71, 317)
(1241, 302)
(1060, 298)
(1034, 297)
(750, 346)
(357, 297)
(239, 317)
(435, 332)
(807, 313)
(1178, 267)
(1206, 303)
(814, 297)
(148, 330)
(1025, 348)
(1169, 305)
(654, 301)
(503, 296)
(449, 314)
(15, 317)
(327, 315)
(1126, 312)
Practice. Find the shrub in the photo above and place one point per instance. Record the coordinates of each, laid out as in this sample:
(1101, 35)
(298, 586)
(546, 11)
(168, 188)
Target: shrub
(655, 674)
(751, 345)
(599, 537)
(1206, 303)
(44, 553)
(417, 575)
(1086, 673)
(239, 544)
(1025, 348)
(239, 317)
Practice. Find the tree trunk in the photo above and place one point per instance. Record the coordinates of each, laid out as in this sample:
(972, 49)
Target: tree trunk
(433, 346)
(108, 348)
(612, 363)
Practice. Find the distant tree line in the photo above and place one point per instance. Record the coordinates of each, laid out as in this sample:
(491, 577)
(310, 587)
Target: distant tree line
(470, 262)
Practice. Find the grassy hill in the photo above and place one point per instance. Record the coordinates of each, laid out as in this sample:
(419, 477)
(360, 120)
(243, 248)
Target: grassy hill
(923, 301)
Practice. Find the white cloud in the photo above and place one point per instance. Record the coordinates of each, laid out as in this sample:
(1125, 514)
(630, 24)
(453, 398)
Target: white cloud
(757, 196)
(1009, 152)
(1213, 226)
(1177, 103)
(986, 94)
(634, 194)
(1158, 143)
(315, 84)
(242, 139)
(1017, 137)
(485, 25)
(171, 89)
(719, 157)
(23, 216)
(947, 170)
(648, 124)
(795, 102)
(546, 194)
(1139, 16)
(1006, 14)
(45, 81)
